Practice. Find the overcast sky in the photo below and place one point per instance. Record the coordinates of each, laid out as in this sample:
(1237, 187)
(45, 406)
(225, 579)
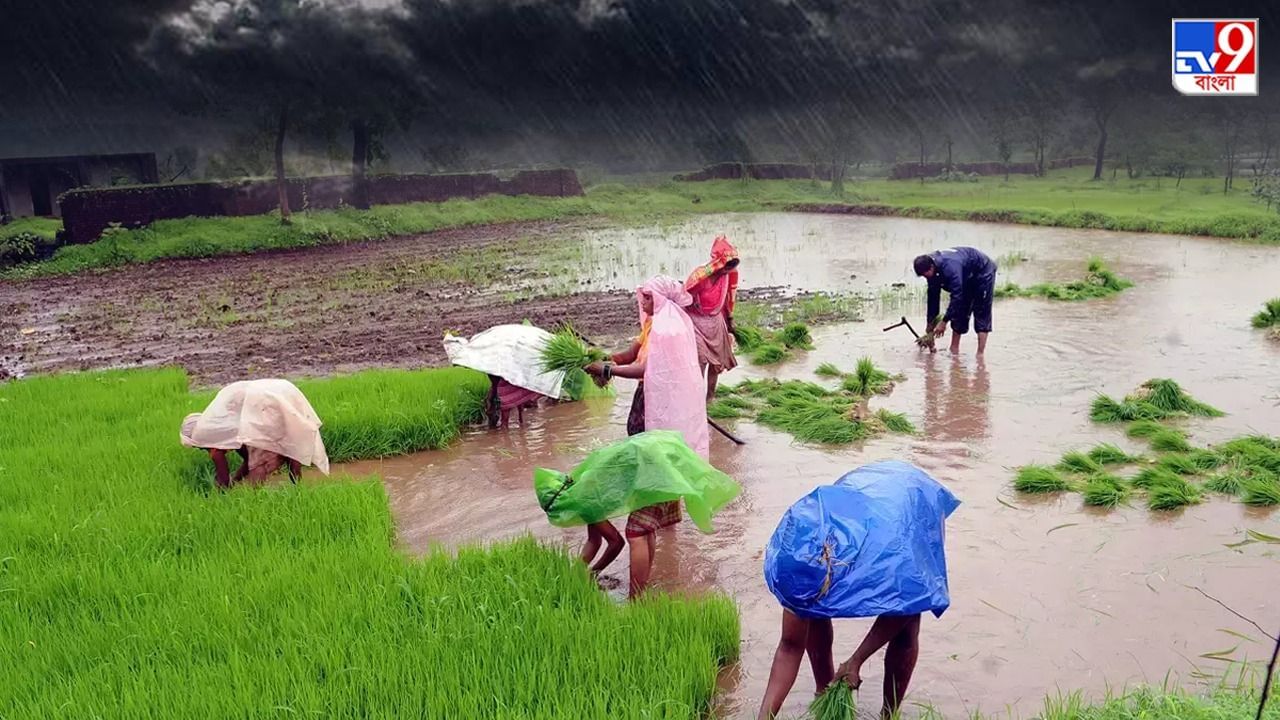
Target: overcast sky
(577, 68)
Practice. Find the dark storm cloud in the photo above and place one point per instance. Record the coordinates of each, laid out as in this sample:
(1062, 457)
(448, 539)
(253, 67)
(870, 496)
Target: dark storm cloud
(637, 68)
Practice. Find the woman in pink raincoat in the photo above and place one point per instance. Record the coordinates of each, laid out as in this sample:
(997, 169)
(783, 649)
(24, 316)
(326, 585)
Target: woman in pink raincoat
(670, 396)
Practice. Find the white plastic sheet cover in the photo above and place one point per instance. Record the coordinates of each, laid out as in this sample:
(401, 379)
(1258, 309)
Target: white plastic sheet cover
(512, 352)
(268, 414)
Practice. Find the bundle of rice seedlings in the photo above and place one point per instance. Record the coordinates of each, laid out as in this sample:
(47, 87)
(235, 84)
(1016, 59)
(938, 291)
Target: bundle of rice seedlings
(769, 354)
(1099, 282)
(1144, 428)
(720, 410)
(1039, 479)
(1105, 409)
(1104, 490)
(1152, 476)
(1169, 440)
(796, 336)
(895, 422)
(835, 703)
(1269, 316)
(1172, 494)
(1168, 396)
(827, 370)
(738, 403)
(1205, 459)
(1108, 454)
(1179, 463)
(813, 421)
(1263, 490)
(1080, 463)
(867, 379)
(748, 337)
(566, 351)
(1254, 451)
(1228, 482)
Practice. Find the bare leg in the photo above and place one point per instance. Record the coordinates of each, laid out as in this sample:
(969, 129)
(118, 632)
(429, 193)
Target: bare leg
(613, 545)
(712, 376)
(491, 402)
(641, 564)
(520, 415)
(592, 545)
(899, 663)
(982, 342)
(819, 651)
(955, 343)
(506, 419)
(786, 663)
(886, 628)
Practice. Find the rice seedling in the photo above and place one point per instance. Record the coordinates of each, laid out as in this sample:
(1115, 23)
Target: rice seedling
(1227, 482)
(748, 337)
(737, 403)
(835, 703)
(796, 336)
(1108, 454)
(1144, 428)
(1151, 476)
(1268, 316)
(1254, 451)
(1205, 459)
(1155, 400)
(827, 370)
(769, 354)
(867, 379)
(895, 422)
(1179, 463)
(1039, 479)
(1172, 494)
(1261, 490)
(1079, 462)
(1104, 490)
(146, 599)
(566, 351)
(721, 410)
(1099, 282)
(1169, 440)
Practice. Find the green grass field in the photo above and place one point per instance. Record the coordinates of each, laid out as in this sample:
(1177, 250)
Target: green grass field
(127, 592)
(1066, 198)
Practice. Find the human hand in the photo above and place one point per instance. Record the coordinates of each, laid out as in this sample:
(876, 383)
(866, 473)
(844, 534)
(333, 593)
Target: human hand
(596, 369)
(940, 329)
(849, 673)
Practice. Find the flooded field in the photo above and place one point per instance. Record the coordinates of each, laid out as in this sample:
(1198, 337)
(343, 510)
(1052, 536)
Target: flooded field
(1046, 594)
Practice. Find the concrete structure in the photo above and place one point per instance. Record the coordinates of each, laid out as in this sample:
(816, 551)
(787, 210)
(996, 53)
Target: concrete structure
(31, 186)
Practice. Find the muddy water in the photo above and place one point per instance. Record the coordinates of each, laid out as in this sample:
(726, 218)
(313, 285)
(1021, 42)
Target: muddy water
(1045, 593)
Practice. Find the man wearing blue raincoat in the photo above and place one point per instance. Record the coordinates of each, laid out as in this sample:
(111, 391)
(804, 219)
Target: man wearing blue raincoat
(969, 276)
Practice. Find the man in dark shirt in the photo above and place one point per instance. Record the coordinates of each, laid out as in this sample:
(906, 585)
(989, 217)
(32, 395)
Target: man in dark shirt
(970, 278)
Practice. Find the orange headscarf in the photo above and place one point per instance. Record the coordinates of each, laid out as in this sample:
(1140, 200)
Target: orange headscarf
(713, 295)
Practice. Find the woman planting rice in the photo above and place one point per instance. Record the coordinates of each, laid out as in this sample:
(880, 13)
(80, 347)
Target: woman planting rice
(669, 397)
(714, 288)
(871, 545)
(268, 422)
(511, 356)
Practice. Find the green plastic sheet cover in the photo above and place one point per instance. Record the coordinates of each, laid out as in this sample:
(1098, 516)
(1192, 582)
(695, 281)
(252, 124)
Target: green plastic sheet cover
(646, 469)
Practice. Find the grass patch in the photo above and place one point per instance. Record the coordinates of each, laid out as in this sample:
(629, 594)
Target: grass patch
(1099, 282)
(1268, 316)
(1156, 399)
(145, 599)
(1108, 454)
(1040, 479)
(1104, 490)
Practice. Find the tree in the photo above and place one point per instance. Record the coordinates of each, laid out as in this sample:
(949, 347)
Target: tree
(1041, 122)
(179, 162)
(1101, 92)
(1230, 129)
(1002, 138)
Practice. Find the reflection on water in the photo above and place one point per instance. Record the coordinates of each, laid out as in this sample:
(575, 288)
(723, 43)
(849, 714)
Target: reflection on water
(1045, 592)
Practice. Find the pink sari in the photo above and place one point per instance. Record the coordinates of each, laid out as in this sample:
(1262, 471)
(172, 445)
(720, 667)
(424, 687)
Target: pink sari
(674, 389)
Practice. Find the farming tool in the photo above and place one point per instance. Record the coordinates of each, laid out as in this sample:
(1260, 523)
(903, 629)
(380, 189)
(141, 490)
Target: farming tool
(926, 341)
(733, 438)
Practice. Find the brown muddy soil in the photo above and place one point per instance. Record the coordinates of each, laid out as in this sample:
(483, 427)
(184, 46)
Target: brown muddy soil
(385, 303)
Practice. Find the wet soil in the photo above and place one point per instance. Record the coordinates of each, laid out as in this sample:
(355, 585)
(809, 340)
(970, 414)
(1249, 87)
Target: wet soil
(1046, 593)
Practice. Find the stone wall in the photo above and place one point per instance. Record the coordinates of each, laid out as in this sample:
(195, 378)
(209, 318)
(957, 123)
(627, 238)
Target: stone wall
(905, 171)
(87, 212)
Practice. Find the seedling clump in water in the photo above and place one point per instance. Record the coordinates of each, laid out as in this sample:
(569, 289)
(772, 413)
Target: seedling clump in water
(1155, 400)
(1080, 463)
(1269, 316)
(1040, 479)
(1170, 494)
(1100, 282)
(1108, 454)
(811, 412)
(1104, 490)
(1261, 490)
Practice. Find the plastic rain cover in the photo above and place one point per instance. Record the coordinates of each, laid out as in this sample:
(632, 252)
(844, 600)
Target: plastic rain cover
(266, 414)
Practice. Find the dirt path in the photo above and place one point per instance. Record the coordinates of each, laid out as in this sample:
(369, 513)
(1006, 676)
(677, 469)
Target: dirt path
(309, 311)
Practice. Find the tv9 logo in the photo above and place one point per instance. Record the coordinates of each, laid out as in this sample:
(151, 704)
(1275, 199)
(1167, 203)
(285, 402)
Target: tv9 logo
(1215, 57)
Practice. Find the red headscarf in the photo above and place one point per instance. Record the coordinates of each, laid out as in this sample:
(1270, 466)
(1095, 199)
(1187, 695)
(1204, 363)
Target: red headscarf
(713, 295)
